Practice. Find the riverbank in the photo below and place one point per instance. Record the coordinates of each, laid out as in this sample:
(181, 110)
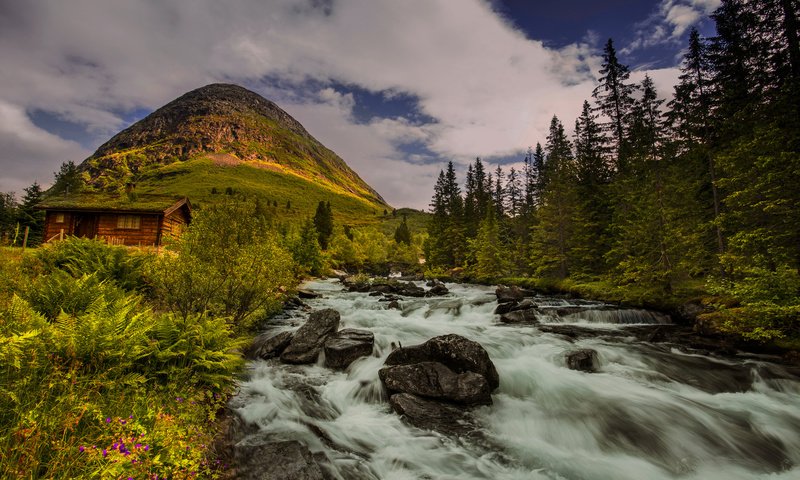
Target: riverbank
(705, 317)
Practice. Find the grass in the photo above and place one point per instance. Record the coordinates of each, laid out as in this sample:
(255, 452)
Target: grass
(199, 177)
(416, 220)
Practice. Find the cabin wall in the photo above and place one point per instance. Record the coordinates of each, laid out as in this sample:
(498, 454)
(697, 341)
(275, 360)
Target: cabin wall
(145, 235)
(52, 228)
(175, 223)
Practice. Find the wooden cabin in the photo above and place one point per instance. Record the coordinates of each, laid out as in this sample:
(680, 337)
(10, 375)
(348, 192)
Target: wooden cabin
(127, 219)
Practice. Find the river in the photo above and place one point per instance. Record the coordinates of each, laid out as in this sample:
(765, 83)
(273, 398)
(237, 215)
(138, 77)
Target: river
(650, 412)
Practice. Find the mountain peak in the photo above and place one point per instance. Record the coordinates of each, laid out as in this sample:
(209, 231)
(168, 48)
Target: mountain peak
(221, 120)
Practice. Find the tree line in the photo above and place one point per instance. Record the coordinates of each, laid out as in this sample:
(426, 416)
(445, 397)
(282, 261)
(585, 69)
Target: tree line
(648, 192)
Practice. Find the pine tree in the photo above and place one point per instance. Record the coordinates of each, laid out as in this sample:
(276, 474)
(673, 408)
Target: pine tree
(8, 217)
(499, 192)
(446, 244)
(29, 216)
(306, 248)
(402, 234)
(514, 193)
(552, 237)
(68, 179)
(323, 222)
(594, 211)
(614, 97)
(487, 249)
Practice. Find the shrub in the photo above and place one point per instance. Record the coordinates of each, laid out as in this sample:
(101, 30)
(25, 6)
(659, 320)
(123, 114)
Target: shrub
(61, 292)
(226, 264)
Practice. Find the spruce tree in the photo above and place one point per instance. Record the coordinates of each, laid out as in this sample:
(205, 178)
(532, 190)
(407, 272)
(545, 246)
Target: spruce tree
(514, 193)
(499, 192)
(553, 236)
(487, 249)
(323, 222)
(402, 234)
(29, 216)
(614, 97)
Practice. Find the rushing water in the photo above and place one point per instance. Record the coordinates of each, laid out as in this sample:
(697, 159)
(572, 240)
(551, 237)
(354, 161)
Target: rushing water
(650, 412)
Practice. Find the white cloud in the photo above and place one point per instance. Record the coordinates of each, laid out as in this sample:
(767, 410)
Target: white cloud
(490, 90)
(670, 22)
(29, 153)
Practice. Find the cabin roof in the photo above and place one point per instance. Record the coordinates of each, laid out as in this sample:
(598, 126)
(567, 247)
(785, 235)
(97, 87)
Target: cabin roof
(117, 203)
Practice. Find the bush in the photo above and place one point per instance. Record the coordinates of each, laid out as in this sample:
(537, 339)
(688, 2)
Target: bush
(226, 264)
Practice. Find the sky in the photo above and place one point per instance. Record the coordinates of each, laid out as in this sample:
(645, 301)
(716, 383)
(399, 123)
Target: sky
(396, 88)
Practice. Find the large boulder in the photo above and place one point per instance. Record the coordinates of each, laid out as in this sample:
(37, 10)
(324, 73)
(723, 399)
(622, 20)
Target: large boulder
(346, 346)
(269, 346)
(307, 294)
(309, 338)
(584, 360)
(455, 352)
(525, 317)
(505, 307)
(508, 294)
(429, 414)
(434, 380)
(289, 460)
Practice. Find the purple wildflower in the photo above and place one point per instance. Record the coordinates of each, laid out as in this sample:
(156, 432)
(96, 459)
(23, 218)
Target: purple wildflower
(81, 448)
(108, 419)
(105, 453)
(146, 448)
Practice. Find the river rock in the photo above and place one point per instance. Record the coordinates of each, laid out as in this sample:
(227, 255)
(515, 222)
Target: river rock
(307, 294)
(429, 414)
(394, 305)
(346, 346)
(434, 380)
(270, 346)
(410, 290)
(454, 351)
(505, 307)
(508, 294)
(289, 460)
(584, 360)
(525, 317)
(438, 289)
(309, 338)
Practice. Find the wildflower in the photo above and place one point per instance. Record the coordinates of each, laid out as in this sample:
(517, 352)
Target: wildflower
(146, 448)
(105, 453)
(108, 419)
(81, 448)
(130, 416)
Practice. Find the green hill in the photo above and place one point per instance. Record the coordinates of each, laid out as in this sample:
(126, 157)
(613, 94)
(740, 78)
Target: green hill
(224, 138)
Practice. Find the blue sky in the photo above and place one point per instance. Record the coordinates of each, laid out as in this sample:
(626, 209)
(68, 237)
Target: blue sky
(395, 88)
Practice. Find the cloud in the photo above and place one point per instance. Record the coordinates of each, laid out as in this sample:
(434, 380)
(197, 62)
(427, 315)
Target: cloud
(489, 90)
(28, 153)
(670, 22)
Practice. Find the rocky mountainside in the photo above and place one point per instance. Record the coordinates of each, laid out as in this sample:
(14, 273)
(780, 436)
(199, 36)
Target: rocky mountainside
(226, 126)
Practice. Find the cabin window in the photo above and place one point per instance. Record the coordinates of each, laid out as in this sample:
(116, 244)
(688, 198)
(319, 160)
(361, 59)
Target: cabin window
(59, 218)
(129, 222)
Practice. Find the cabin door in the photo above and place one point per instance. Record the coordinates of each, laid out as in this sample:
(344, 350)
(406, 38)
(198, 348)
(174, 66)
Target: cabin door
(85, 225)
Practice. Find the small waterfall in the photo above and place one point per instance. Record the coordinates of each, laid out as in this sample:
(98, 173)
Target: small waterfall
(648, 413)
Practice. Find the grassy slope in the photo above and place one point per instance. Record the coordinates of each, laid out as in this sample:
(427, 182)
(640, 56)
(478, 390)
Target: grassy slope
(196, 178)
(416, 220)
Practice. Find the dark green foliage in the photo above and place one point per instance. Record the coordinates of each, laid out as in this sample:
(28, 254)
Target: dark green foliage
(402, 234)
(8, 218)
(614, 96)
(68, 179)
(28, 216)
(83, 256)
(229, 264)
(306, 249)
(323, 222)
